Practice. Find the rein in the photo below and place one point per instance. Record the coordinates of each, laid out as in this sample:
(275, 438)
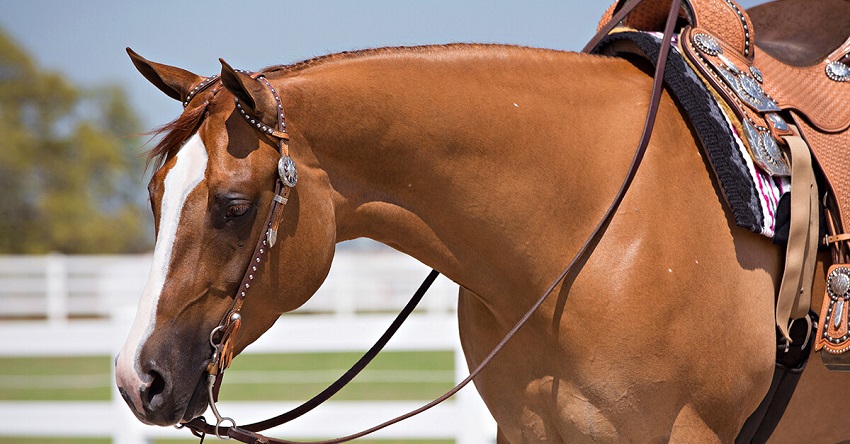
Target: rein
(222, 337)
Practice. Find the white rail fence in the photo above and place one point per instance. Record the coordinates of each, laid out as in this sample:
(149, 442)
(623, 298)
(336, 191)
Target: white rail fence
(83, 306)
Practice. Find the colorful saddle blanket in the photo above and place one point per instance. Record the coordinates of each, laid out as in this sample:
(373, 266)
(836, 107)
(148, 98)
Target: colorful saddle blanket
(752, 195)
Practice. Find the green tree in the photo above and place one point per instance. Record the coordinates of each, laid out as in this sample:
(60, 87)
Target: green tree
(70, 168)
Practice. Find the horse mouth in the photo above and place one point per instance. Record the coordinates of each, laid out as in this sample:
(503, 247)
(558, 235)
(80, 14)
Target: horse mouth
(198, 401)
(182, 408)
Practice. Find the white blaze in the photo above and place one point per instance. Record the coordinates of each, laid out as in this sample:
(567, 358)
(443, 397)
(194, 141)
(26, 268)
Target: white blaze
(183, 177)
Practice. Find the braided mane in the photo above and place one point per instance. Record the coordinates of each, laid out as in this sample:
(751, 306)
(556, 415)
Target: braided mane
(419, 49)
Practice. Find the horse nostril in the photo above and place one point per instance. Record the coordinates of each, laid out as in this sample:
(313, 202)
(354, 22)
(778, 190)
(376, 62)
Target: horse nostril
(155, 388)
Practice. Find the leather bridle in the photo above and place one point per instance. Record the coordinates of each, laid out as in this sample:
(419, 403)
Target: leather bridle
(222, 338)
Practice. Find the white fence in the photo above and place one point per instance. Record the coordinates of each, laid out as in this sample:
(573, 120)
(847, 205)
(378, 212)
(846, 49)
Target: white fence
(83, 306)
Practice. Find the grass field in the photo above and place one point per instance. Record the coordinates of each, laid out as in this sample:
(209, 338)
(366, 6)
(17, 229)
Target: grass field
(60, 379)
(288, 377)
(253, 377)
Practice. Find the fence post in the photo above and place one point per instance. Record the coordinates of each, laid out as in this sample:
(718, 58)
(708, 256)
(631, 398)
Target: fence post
(56, 273)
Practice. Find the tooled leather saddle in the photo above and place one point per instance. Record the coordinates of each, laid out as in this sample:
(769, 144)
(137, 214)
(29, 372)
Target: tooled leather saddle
(782, 70)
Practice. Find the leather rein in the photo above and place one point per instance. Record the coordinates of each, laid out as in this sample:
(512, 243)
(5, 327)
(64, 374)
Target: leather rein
(222, 337)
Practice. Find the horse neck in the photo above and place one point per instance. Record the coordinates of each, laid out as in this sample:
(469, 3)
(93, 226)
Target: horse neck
(459, 156)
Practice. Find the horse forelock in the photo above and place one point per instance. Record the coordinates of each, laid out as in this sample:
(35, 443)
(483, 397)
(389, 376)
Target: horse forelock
(175, 133)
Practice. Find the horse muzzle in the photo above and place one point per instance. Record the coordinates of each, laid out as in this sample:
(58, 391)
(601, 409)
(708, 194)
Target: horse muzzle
(159, 396)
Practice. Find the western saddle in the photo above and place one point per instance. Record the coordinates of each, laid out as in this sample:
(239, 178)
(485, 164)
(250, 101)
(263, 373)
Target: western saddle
(782, 70)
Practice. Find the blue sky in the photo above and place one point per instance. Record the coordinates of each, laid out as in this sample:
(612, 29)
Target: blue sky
(85, 39)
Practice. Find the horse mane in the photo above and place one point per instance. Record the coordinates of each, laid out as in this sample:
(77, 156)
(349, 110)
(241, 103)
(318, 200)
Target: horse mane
(418, 49)
(174, 133)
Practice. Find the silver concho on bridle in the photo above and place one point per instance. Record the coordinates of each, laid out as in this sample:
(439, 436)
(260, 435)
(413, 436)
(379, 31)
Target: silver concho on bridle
(287, 171)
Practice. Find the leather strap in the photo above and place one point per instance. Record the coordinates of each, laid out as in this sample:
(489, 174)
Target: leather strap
(325, 394)
(795, 290)
(247, 436)
(828, 240)
(790, 363)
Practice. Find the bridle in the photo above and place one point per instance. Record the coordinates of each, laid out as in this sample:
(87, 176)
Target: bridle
(222, 337)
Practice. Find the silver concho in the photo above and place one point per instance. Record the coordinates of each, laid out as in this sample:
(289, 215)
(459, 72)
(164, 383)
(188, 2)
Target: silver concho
(838, 71)
(707, 44)
(287, 172)
(765, 151)
(757, 74)
(771, 148)
(751, 87)
(838, 284)
(778, 121)
(749, 91)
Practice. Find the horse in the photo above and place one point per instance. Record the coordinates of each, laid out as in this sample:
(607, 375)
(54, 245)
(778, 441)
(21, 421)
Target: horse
(492, 164)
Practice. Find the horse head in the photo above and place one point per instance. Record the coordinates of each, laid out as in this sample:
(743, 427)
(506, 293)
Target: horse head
(210, 196)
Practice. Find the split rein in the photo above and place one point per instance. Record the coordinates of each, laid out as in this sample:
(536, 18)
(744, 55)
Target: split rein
(222, 337)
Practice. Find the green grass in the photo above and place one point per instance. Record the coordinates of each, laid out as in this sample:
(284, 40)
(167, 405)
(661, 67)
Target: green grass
(60, 379)
(267, 377)
(253, 377)
(391, 376)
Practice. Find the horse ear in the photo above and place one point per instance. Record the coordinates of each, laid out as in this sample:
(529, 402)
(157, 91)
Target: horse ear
(173, 81)
(253, 95)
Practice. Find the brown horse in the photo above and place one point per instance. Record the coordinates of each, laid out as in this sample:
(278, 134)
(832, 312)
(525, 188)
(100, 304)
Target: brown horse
(491, 164)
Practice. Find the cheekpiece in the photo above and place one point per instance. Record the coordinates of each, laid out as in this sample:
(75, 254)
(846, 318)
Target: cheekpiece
(287, 171)
(765, 151)
(838, 71)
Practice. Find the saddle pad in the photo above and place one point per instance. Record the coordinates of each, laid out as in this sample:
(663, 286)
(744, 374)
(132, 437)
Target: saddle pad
(752, 195)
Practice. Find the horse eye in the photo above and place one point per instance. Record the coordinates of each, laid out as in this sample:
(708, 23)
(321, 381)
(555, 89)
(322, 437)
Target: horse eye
(239, 209)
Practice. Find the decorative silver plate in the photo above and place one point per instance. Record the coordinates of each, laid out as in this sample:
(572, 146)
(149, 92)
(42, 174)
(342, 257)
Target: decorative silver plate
(707, 44)
(778, 122)
(287, 171)
(765, 151)
(838, 71)
(838, 284)
(770, 146)
(730, 65)
(749, 90)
